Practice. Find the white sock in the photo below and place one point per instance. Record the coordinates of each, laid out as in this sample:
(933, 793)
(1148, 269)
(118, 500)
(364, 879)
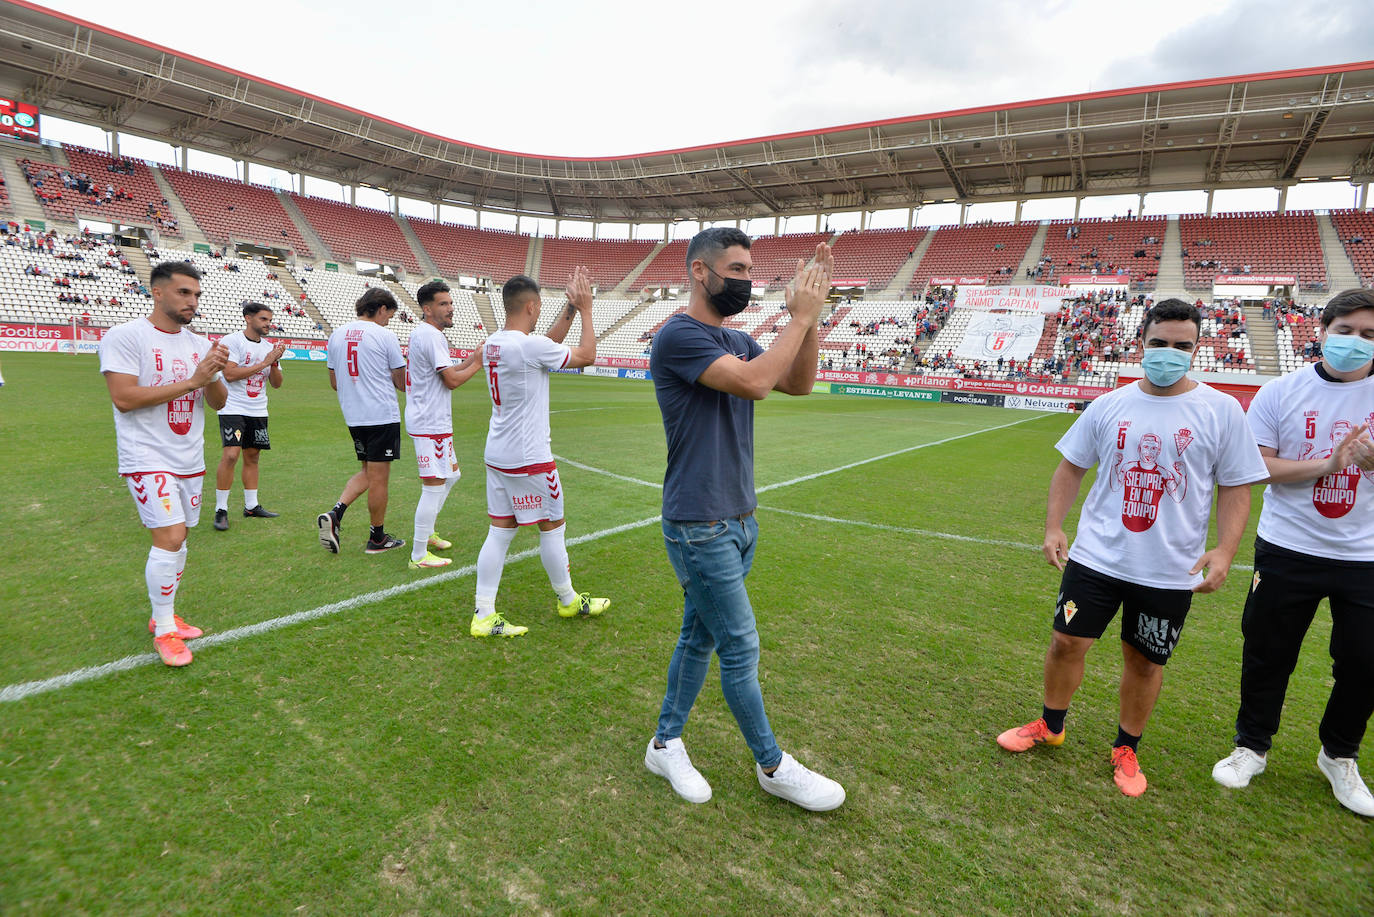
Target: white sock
(490, 562)
(554, 553)
(160, 573)
(432, 498)
(250, 498)
(221, 500)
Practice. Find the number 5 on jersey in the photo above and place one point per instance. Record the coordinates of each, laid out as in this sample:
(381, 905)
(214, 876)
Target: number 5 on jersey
(493, 384)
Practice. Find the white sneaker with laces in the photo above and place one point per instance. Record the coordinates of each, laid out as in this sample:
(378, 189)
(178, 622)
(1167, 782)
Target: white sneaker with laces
(1350, 790)
(671, 763)
(1236, 769)
(795, 783)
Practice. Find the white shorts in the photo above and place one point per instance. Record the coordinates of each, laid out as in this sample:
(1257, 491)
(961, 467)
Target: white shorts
(434, 455)
(526, 498)
(164, 499)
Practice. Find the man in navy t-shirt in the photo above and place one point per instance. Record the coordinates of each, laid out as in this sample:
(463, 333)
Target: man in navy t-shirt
(707, 378)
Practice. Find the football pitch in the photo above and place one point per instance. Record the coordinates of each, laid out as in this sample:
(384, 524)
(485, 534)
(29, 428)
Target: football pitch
(341, 746)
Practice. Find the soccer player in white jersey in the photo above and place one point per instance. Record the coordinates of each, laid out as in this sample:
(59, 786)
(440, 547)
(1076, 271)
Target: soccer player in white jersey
(1163, 445)
(430, 376)
(253, 365)
(522, 480)
(159, 374)
(367, 370)
(1315, 540)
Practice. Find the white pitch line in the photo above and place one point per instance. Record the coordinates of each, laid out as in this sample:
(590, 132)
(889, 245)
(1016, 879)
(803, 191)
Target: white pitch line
(22, 690)
(888, 455)
(610, 474)
(25, 689)
(923, 533)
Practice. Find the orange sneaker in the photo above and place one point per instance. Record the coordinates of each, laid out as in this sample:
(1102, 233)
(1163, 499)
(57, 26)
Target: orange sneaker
(1128, 775)
(1024, 738)
(184, 631)
(172, 650)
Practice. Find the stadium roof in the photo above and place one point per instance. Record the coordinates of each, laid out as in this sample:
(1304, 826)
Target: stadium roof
(1230, 132)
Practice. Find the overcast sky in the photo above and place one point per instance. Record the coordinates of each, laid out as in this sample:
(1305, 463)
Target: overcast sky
(602, 78)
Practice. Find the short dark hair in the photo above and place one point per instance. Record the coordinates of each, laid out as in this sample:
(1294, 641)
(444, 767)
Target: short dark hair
(1345, 302)
(1171, 310)
(430, 292)
(164, 271)
(373, 301)
(514, 290)
(711, 242)
(253, 308)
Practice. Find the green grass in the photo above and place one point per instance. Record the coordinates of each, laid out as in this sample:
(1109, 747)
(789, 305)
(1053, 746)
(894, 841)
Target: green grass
(380, 761)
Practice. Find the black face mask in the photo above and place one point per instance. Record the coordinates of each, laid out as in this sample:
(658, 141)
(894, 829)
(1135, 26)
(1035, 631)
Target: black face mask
(732, 297)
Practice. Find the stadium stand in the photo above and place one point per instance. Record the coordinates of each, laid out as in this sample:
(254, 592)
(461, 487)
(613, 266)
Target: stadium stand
(334, 293)
(32, 295)
(358, 233)
(228, 210)
(4, 196)
(1295, 334)
(462, 251)
(609, 260)
(775, 257)
(467, 331)
(100, 187)
(877, 325)
(1258, 243)
(874, 255)
(633, 338)
(228, 282)
(981, 250)
(668, 269)
(1104, 246)
(1356, 230)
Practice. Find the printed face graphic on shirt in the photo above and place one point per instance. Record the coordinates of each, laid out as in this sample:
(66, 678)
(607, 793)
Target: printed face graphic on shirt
(181, 410)
(1144, 481)
(1333, 495)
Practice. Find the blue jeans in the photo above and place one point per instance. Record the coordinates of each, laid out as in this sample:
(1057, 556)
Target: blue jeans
(711, 560)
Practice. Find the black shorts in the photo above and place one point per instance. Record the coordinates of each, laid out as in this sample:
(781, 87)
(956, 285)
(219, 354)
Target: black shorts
(1151, 619)
(380, 443)
(244, 431)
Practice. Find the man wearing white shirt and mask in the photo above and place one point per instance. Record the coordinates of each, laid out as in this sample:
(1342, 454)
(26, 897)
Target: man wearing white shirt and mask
(1163, 444)
(1315, 540)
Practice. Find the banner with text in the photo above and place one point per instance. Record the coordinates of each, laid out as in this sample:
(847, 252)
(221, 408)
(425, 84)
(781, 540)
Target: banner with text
(876, 391)
(1009, 335)
(944, 383)
(1047, 300)
(979, 398)
(1023, 403)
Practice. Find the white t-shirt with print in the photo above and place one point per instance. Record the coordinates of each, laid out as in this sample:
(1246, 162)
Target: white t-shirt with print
(517, 366)
(1304, 416)
(162, 437)
(362, 355)
(429, 403)
(1158, 459)
(247, 396)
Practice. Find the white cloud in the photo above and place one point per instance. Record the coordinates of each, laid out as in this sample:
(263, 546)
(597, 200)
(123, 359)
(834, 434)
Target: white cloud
(602, 77)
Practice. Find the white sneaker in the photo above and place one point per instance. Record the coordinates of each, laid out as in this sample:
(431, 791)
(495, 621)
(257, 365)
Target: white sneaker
(1346, 783)
(671, 763)
(1236, 769)
(808, 789)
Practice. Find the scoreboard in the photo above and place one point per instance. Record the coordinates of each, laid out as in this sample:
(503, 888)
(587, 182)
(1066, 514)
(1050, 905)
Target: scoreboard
(18, 119)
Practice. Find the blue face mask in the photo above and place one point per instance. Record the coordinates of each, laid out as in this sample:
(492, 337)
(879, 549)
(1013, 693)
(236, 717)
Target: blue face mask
(1165, 365)
(1347, 352)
